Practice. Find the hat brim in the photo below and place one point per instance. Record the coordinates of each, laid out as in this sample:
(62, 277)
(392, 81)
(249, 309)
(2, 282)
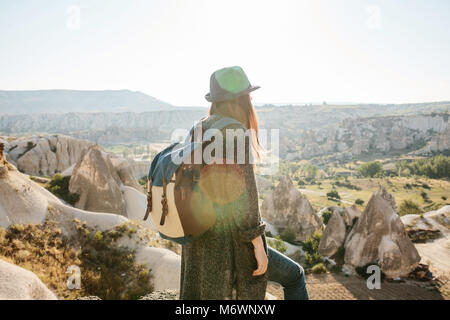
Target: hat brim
(220, 99)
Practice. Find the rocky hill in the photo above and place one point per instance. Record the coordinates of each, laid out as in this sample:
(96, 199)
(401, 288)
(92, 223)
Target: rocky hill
(47, 101)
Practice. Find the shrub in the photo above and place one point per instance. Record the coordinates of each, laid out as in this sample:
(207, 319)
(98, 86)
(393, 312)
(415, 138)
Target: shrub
(59, 186)
(311, 248)
(347, 185)
(288, 236)
(107, 271)
(326, 215)
(371, 169)
(409, 207)
(110, 271)
(311, 244)
(319, 268)
(436, 167)
(444, 198)
(359, 202)
(424, 195)
(278, 244)
(333, 195)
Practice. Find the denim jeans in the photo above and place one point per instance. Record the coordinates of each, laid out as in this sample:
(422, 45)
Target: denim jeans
(287, 273)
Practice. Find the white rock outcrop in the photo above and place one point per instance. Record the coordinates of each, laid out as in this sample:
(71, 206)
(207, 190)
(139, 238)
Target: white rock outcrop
(46, 155)
(287, 209)
(17, 283)
(379, 236)
(24, 201)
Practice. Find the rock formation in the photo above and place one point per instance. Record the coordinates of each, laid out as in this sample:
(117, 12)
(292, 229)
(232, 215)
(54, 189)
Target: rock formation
(96, 180)
(46, 155)
(17, 283)
(289, 211)
(431, 232)
(379, 236)
(337, 229)
(126, 172)
(24, 201)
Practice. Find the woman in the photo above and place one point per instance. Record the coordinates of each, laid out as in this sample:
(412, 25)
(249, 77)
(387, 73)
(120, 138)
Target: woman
(232, 260)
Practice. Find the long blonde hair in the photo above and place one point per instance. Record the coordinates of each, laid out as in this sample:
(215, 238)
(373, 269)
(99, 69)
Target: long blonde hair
(242, 110)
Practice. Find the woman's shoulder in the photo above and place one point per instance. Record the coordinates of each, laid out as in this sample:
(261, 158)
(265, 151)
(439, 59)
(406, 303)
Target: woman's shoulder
(221, 122)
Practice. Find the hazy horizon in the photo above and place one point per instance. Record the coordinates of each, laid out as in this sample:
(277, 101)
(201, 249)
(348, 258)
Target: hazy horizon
(257, 104)
(364, 51)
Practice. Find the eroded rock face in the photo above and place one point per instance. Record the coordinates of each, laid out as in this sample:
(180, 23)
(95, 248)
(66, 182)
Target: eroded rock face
(126, 173)
(46, 155)
(347, 139)
(337, 230)
(20, 202)
(17, 283)
(288, 210)
(97, 182)
(379, 236)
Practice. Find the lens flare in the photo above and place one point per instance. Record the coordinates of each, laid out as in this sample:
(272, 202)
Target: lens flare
(222, 183)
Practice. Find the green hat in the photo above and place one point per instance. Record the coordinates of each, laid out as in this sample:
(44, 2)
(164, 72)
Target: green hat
(228, 84)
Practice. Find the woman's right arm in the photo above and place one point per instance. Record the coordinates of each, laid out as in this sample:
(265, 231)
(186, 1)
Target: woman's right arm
(261, 256)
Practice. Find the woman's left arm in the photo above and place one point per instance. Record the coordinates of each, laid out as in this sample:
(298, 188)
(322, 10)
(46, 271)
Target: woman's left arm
(250, 222)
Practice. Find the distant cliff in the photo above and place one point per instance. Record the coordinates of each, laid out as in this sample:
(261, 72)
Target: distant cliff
(352, 138)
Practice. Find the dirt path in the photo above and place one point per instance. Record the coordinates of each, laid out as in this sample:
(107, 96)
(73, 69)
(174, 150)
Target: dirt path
(339, 287)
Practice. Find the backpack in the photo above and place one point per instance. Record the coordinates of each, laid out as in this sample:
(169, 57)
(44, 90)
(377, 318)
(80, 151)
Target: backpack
(179, 209)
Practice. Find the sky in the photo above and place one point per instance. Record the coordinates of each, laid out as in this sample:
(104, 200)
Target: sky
(392, 51)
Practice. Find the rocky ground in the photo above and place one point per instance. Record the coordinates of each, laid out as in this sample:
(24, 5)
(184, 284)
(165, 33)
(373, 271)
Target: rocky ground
(339, 287)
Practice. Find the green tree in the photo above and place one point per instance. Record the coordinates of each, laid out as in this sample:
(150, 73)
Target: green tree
(370, 169)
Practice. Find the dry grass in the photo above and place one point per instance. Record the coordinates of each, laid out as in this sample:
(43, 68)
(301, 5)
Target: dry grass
(107, 271)
(396, 185)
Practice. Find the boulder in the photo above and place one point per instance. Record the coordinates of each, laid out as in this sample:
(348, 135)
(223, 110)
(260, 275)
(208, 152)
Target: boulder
(431, 232)
(334, 235)
(380, 237)
(17, 283)
(97, 182)
(287, 209)
(337, 229)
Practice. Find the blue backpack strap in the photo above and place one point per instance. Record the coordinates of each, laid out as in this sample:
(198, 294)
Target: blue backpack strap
(155, 160)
